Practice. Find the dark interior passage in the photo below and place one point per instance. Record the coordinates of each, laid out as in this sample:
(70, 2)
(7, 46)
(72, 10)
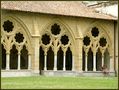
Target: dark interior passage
(3, 57)
(107, 59)
(60, 60)
(98, 60)
(13, 58)
(41, 63)
(68, 59)
(90, 60)
(50, 59)
(24, 58)
(83, 62)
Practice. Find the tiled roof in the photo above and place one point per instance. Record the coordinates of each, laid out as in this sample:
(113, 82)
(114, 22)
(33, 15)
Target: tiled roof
(68, 8)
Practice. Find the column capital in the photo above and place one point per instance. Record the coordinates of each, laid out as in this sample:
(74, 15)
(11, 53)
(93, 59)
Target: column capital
(64, 54)
(111, 56)
(19, 53)
(7, 52)
(45, 53)
(86, 54)
(55, 52)
(29, 53)
(94, 53)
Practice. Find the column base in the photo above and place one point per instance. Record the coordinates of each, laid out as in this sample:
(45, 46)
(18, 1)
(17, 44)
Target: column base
(45, 69)
(73, 69)
(111, 70)
(64, 69)
(29, 68)
(86, 69)
(55, 69)
(94, 69)
(7, 69)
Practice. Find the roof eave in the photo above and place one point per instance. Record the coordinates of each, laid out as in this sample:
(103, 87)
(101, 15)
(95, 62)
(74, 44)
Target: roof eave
(114, 19)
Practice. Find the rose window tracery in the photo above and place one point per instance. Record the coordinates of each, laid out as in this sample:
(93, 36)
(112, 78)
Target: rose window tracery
(19, 37)
(95, 32)
(86, 41)
(55, 29)
(45, 39)
(64, 40)
(8, 26)
(103, 42)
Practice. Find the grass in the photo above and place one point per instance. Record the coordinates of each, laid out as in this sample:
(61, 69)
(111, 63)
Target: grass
(42, 82)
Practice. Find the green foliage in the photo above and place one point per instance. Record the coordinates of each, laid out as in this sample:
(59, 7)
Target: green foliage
(41, 82)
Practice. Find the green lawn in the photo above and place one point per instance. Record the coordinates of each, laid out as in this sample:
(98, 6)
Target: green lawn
(41, 82)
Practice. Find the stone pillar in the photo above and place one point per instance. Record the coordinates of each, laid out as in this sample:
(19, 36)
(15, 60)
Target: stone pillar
(86, 56)
(111, 64)
(102, 60)
(55, 62)
(78, 55)
(7, 61)
(73, 62)
(94, 62)
(19, 54)
(29, 62)
(45, 63)
(64, 62)
(36, 55)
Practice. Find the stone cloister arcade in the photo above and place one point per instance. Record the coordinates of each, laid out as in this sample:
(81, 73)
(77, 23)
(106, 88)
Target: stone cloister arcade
(15, 46)
(56, 48)
(96, 50)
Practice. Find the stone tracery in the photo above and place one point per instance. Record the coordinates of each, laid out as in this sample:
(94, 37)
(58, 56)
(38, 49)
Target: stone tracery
(98, 44)
(59, 42)
(8, 26)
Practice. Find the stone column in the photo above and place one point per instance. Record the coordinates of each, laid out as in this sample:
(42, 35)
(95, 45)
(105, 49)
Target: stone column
(45, 63)
(86, 56)
(102, 60)
(64, 62)
(36, 55)
(73, 62)
(29, 62)
(111, 64)
(7, 61)
(19, 54)
(55, 62)
(94, 62)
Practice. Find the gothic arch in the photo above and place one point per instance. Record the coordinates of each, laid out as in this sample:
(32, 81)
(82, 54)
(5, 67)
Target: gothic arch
(97, 39)
(20, 27)
(56, 36)
(64, 26)
(15, 32)
(104, 33)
